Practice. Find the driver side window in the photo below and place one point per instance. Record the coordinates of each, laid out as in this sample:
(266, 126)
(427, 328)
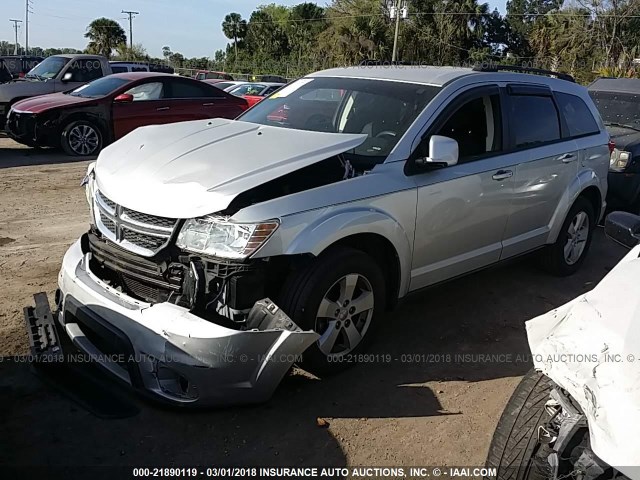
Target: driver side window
(146, 91)
(476, 126)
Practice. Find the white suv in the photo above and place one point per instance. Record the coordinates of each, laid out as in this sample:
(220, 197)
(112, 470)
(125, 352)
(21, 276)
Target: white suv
(335, 197)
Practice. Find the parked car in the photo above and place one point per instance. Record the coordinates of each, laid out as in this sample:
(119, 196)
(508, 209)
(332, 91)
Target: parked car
(5, 74)
(57, 73)
(86, 119)
(409, 178)
(618, 100)
(225, 85)
(19, 65)
(207, 75)
(255, 92)
(574, 416)
(267, 78)
(124, 67)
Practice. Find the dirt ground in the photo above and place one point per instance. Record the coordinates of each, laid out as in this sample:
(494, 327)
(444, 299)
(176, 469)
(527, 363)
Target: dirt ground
(410, 411)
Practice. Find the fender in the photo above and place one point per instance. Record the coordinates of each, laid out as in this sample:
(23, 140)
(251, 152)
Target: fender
(580, 183)
(335, 226)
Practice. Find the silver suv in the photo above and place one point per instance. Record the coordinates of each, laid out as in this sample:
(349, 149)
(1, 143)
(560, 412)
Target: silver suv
(335, 197)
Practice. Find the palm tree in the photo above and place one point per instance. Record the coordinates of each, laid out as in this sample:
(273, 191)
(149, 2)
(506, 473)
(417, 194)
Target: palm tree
(104, 36)
(234, 28)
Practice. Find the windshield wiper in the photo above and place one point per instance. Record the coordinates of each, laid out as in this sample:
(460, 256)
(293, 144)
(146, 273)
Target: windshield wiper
(36, 76)
(622, 125)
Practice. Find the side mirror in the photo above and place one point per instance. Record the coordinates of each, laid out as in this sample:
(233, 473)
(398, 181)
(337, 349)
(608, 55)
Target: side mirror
(443, 152)
(624, 228)
(67, 77)
(124, 98)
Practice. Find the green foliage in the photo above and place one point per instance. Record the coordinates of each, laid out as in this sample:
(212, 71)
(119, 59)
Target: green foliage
(105, 35)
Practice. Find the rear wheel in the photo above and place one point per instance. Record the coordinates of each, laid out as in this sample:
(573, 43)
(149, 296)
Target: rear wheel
(340, 296)
(566, 255)
(81, 138)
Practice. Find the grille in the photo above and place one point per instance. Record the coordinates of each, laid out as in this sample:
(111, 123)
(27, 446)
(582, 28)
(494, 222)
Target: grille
(137, 232)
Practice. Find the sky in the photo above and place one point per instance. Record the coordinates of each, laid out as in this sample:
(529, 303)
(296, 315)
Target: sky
(191, 27)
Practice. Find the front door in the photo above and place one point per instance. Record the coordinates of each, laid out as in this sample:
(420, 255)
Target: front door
(149, 107)
(463, 209)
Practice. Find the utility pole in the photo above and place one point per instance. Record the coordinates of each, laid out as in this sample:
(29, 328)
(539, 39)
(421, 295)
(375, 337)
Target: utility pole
(27, 11)
(15, 27)
(131, 14)
(397, 12)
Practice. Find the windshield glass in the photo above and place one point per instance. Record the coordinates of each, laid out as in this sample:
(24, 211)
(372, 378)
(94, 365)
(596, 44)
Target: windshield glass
(618, 108)
(382, 110)
(48, 68)
(248, 89)
(99, 88)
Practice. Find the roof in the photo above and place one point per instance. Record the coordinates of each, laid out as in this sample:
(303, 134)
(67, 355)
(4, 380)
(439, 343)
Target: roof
(429, 75)
(621, 85)
(140, 75)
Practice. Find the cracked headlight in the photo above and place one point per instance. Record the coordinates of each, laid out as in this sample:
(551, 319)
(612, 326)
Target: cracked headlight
(219, 237)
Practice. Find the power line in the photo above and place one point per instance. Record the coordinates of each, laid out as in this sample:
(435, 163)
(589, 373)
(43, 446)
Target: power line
(15, 27)
(131, 14)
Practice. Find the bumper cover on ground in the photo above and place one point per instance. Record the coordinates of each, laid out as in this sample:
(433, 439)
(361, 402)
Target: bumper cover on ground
(165, 350)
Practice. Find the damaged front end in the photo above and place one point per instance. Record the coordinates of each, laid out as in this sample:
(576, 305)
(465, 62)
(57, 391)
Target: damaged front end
(170, 350)
(590, 348)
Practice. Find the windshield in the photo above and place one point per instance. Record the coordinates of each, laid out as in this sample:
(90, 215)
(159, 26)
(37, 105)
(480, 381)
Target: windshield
(99, 88)
(48, 68)
(248, 89)
(382, 110)
(618, 108)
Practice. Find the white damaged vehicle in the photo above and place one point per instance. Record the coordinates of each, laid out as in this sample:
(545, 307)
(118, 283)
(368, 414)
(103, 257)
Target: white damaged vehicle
(577, 413)
(335, 197)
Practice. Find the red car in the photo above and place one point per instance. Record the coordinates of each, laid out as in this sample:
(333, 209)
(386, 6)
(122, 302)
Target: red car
(84, 120)
(255, 92)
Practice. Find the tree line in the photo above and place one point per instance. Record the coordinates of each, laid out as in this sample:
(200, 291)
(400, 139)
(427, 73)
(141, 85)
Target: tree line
(582, 37)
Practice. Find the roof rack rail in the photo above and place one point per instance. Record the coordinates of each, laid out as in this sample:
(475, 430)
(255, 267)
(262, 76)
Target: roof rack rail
(514, 68)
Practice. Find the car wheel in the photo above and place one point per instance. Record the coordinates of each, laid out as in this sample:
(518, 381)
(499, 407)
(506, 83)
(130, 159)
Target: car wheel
(341, 296)
(566, 255)
(81, 138)
(515, 451)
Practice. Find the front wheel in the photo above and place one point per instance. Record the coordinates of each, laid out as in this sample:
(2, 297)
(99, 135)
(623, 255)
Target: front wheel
(515, 449)
(81, 138)
(341, 296)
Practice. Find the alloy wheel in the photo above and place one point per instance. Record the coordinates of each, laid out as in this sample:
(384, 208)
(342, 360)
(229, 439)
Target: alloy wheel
(577, 236)
(344, 315)
(84, 139)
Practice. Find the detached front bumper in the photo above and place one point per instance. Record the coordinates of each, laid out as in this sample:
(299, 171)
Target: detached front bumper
(165, 350)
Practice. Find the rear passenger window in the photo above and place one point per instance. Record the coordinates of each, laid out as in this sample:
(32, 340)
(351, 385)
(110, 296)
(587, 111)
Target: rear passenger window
(577, 115)
(534, 120)
(188, 90)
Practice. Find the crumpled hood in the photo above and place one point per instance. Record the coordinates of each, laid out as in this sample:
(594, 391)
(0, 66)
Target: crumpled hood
(591, 348)
(624, 137)
(190, 169)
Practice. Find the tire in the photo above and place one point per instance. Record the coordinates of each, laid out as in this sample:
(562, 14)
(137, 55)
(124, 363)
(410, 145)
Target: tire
(554, 258)
(515, 443)
(81, 138)
(326, 278)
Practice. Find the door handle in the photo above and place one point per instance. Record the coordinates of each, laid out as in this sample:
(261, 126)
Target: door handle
(208, 104)
(567, 158)
(502, 175)
(160, 109)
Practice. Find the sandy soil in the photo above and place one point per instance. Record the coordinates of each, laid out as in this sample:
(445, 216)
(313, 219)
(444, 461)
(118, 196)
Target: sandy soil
(428, 411)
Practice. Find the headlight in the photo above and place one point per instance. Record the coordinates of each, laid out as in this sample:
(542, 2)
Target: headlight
(89, 185)
(219, 237)
(619, 160)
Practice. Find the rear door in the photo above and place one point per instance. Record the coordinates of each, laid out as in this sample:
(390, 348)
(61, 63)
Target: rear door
(193, 100)
(149, 107)
(548, 160)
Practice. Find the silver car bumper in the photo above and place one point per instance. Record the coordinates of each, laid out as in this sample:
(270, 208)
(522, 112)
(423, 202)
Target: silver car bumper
(165, 350)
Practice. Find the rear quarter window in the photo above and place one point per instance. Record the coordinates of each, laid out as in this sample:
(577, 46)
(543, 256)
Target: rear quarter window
(579, 118)
(533, 120)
